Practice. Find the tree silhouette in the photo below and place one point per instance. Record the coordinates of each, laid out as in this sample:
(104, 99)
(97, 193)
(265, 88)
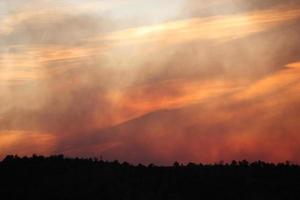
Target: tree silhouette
(58, 177)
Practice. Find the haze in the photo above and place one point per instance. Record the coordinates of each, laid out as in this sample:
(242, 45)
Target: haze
(151, 81)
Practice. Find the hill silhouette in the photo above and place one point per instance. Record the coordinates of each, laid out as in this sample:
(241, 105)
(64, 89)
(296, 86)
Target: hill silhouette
(57, 177)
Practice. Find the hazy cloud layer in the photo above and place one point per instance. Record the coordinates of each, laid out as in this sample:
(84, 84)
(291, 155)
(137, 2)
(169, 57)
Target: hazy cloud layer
(205, 81)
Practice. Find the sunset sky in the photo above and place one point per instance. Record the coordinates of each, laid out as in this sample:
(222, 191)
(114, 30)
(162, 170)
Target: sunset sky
(151, 81)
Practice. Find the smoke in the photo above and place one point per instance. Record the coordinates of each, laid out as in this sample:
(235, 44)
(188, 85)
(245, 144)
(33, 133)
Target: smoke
(90, 78)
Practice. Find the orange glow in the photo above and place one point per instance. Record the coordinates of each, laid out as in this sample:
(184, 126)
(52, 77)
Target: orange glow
(25, 143)
(217, 29)
(149, 81)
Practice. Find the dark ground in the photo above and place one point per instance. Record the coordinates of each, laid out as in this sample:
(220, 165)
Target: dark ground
(58, 178)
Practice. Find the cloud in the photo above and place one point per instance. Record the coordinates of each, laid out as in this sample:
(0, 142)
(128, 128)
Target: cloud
(253, 127)
(217, 28)
(201, 87)
(25, 143)
(50, 28)
(194, 8)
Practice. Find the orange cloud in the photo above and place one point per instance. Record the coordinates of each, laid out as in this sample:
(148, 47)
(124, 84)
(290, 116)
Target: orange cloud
(279, 82)
(26, 143)
(194, 89)
(260, 125)
(172, 94)
(217, 28)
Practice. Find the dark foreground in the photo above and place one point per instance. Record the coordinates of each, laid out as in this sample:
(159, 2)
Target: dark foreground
(58, 178)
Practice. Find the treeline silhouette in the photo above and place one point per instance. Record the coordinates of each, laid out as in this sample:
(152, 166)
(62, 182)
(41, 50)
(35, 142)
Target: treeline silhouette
(57, 177)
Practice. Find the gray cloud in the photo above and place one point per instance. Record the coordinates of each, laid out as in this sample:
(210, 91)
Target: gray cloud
(195, 8)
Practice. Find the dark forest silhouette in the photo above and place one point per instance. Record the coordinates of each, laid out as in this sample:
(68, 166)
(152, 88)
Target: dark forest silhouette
(57, 177)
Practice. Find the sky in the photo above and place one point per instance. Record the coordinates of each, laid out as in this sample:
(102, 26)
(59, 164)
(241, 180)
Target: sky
(151, 81)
